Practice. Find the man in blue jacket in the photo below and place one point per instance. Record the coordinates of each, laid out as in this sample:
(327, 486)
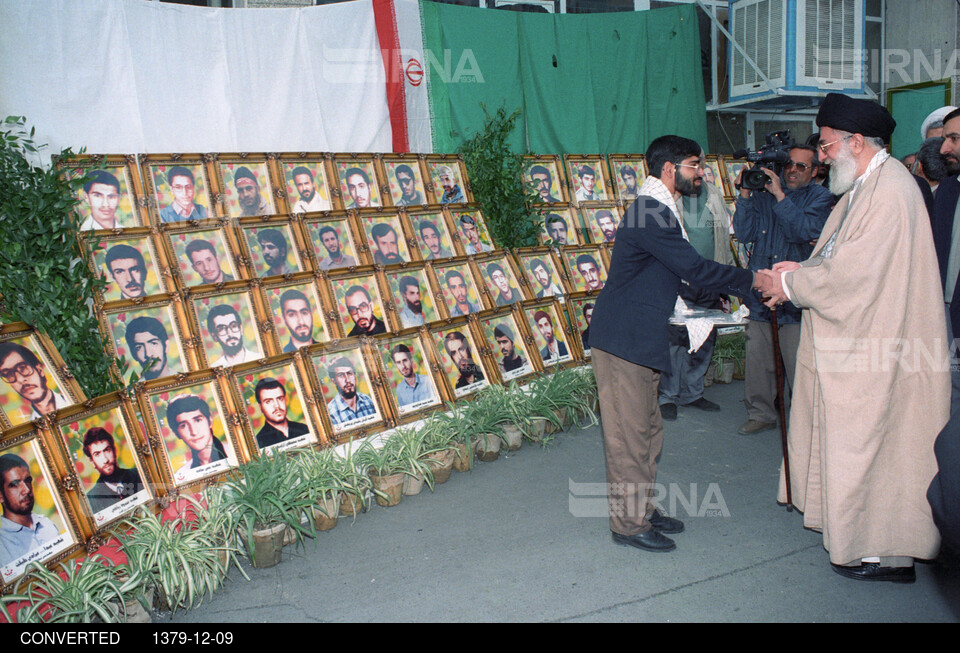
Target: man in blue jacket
(778, 223)
(629, 341)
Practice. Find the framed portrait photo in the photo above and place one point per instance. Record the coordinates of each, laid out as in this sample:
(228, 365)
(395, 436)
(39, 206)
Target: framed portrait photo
(272, 248)
(385, 238)
(448, 176)
(228, 325)
(33, 378)
(178, 186)
(101, 443)
(550, 335)
(461, 294)
(472, 233)
(130, 263)
(189, 420)
(542, 271)
(245, 187)
(629, 172)
(580, 313)
(412, 296)
(460, 355)
(349, 397)
(201, 254)
(108, 197)
(713, 174)
(508, 344)
(586, 268)
(432, 234)
(39, 528)
(359, 184)
(731, 169)
(306, 183)
(274, 414)
(543, 175)
(407, 374)
(296, 312)
(602, 221)
(404, 178)
(334, 242)
(588, 178)
(359, 304)
(561, 226)
(150, 337)
(501, 279)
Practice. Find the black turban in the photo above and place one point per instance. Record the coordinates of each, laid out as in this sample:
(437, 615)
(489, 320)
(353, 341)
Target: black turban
(864, 117)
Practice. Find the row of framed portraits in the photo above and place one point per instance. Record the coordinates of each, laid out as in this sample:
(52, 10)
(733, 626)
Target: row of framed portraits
(583, 179)
(126, 191)
(142, 261)
(235, 322)
(81, 467)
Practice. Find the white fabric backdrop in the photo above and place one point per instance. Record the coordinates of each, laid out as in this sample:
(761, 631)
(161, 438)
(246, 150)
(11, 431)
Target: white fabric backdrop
(133, 76)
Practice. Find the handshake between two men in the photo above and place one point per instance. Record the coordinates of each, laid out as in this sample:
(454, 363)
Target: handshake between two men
(770, 283)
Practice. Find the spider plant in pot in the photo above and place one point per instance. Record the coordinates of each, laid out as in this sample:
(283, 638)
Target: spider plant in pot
(180, 558)
(454, 427)
(355, 482)
(412, 455)
(482, 422)
(73, 592)
(382, 462)
(320, 483)
(511, 405)
(576, 390)
(263, 498)
(437, 450)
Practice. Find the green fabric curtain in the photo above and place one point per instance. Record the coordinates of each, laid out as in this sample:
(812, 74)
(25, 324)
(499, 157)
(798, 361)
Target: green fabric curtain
(586, 84)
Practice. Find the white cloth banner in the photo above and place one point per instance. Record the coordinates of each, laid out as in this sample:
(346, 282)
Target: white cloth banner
(123, 76)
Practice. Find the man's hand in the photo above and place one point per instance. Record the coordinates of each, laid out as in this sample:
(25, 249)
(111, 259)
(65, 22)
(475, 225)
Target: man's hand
(773, 185)
(768, 283)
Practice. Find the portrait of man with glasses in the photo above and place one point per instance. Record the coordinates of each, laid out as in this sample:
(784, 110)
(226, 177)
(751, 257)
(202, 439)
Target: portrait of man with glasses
(361, 309)
(226, 328)
(23, 371)
(779, 223)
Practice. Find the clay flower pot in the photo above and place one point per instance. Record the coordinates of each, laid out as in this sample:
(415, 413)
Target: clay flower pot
(390, 485)
(267, 546)
(412, 485)
(325, 513)
(488, 448)
(512, 436)
(463, 457)
(443, 463)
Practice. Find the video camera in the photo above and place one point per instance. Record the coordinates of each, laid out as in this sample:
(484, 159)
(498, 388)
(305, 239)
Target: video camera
(773, 155)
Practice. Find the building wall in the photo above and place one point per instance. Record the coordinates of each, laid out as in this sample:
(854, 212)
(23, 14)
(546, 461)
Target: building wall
(922, 43)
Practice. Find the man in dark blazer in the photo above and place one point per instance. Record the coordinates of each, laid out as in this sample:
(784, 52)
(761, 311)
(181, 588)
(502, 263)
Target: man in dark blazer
(944, 491)
(629, 339)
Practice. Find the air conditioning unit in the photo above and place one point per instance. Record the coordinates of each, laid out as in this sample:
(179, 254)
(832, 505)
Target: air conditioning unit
(800, 46)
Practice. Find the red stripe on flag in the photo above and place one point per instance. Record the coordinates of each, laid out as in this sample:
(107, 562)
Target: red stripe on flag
(386, 20)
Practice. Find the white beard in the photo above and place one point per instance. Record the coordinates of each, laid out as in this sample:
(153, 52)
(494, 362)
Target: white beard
(843, 172)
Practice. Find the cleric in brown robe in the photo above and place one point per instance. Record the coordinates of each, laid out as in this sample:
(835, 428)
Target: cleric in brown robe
(872, 384)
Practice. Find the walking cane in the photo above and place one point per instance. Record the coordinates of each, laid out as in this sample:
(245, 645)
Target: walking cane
(778, 359)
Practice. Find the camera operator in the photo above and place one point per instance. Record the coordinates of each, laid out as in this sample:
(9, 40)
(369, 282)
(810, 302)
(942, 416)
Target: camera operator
(778, 223)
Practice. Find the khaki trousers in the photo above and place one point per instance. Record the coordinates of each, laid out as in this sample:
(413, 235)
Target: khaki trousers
(632, 438)
(760, 382)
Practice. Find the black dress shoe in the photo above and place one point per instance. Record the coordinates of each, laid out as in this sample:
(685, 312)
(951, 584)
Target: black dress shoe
(665, 524)
(668, 411)
(651, 540)
(704, 404)
(873, 571)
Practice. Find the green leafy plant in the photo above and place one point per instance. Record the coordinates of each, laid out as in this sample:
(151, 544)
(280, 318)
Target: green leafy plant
(496, 179)
(263, 493)
(72, 592)
(182, 558)
(730, 347)
(356, 482)
(42, 281)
